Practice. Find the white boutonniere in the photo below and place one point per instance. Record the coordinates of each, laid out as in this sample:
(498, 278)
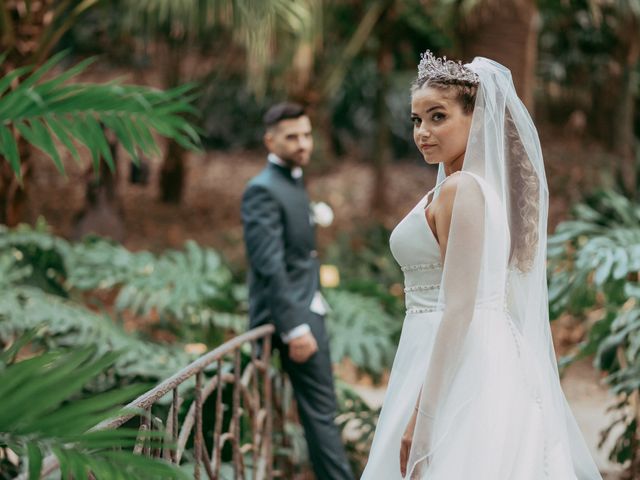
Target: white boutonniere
(321, 214)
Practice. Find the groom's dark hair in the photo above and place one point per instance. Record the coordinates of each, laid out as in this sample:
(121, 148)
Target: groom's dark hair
(282, 111)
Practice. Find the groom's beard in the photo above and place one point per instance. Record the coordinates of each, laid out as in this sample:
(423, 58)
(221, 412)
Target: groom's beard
(298, 159)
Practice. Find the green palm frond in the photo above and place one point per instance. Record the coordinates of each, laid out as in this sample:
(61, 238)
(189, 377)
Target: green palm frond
(200, 16)
(255, 25)
(38, 419)
(44, 109)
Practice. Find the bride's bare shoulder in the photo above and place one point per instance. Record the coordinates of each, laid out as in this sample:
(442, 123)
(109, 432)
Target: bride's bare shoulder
(449, 188)
(464, 183)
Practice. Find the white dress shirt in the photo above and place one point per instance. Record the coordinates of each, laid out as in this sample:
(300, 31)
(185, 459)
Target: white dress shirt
(296, 172)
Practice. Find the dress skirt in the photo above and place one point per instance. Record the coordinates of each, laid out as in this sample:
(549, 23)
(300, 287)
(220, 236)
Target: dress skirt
(492, 424)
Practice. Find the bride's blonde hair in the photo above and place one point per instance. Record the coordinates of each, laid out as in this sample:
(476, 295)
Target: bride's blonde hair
(524, 193)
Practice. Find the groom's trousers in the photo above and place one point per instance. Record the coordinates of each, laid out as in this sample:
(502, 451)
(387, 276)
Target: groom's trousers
(313, 388)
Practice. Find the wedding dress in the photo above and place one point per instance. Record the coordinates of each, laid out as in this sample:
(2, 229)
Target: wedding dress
(501, 414)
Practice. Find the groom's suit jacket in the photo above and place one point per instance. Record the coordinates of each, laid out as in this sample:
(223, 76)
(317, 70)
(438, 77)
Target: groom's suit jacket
(279, 237)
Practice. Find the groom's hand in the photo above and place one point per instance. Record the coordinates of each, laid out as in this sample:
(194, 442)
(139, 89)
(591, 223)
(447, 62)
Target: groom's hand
(301, 348)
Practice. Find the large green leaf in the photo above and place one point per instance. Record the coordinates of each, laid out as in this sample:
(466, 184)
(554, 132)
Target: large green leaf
(594, 253)
(191, 291)
(361, 330)
(61, 323)
(594, 263)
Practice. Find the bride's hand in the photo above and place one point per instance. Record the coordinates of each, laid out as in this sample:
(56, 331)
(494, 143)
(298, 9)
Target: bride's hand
(405, 443)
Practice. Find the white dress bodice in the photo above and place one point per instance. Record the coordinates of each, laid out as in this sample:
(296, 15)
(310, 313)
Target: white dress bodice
(416, 249)
(417, 252)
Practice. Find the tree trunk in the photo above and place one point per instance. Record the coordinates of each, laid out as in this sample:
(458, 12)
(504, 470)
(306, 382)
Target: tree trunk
(623, 135)
(6, 180)
(172, 172)
(505, 31)
(382, 153)
(602, 110)
(13, 196)
(21, 32)
(102, 213)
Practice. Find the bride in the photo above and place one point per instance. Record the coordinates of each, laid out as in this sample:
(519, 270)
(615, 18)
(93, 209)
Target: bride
(474, 391)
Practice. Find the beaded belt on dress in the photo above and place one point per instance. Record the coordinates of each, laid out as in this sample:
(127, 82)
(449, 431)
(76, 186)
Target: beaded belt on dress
(422, 267)
(480, 306)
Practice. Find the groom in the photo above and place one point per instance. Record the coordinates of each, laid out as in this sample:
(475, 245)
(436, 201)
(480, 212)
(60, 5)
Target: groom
(284, 282)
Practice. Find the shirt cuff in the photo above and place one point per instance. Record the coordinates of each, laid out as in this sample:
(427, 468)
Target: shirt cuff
(295, 332)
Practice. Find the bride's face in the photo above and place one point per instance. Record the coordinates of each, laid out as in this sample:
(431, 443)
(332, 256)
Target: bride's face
(440, 126)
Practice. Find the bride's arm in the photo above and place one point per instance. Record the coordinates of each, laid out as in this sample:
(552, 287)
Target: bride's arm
(459, 213)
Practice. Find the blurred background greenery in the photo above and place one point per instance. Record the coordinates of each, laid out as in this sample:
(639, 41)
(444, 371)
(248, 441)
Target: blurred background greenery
(129, 127)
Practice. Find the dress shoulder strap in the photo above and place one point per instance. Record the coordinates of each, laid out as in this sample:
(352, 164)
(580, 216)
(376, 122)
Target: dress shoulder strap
(439, 184)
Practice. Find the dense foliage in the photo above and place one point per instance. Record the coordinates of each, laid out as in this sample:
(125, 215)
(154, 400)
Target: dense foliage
(77, 296)
(46, 411)
(594, 261)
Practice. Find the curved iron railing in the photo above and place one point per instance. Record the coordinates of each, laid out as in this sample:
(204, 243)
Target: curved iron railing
(252, 397)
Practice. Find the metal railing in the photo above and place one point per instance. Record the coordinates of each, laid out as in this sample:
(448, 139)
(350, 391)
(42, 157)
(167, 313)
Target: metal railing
(252, 397)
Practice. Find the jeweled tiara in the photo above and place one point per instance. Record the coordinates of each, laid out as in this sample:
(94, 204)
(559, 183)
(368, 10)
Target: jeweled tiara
(445, 71)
